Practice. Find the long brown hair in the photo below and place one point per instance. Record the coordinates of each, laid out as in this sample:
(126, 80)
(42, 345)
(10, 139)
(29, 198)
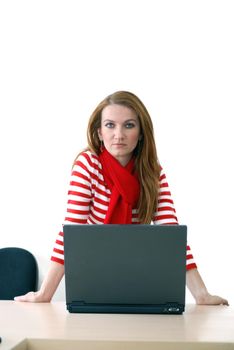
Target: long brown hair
(146, 163)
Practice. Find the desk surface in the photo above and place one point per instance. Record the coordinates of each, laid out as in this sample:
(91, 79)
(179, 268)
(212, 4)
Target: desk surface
(51, 321)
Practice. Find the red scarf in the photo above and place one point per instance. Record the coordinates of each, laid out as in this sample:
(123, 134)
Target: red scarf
(124, 187)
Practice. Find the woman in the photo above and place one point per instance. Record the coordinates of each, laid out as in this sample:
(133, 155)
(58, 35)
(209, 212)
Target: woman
(118, 179)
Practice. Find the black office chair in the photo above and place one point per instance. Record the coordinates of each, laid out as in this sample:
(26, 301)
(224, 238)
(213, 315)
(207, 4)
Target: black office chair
(18, 272)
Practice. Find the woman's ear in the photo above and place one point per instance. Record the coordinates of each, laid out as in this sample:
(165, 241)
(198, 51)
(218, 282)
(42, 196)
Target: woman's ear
(99, 134)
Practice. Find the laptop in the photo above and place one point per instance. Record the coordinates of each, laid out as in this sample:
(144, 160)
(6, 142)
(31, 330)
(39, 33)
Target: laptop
(125, 268)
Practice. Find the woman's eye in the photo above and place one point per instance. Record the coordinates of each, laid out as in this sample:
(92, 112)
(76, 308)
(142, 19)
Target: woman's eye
(109, 125)
(129, 125)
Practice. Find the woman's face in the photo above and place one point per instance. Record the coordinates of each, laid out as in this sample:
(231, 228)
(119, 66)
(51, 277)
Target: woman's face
(119, 131)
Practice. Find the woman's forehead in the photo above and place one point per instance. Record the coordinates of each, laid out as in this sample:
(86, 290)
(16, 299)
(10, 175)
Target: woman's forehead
(119, 112)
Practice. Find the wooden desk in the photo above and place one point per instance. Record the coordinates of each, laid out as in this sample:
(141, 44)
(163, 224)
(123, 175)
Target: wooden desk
(49, 326)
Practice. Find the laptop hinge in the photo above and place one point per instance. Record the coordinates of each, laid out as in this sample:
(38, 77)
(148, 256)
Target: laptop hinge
(167, 308)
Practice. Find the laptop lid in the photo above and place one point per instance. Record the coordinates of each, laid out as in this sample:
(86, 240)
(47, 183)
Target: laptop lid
(125, 268)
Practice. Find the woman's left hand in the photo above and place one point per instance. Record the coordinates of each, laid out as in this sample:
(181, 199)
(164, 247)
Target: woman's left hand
(199, 291)
(209, 299)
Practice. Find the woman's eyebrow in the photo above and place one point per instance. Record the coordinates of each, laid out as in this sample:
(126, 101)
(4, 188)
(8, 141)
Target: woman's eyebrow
(108, 120)
(113, 121)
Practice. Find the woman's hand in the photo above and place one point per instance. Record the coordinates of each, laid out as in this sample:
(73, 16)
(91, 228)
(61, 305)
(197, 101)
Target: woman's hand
(209, 299)
(33, 297)
(198, 289)
(48, 287)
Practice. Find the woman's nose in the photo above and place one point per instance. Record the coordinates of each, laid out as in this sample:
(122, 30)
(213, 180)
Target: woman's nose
(119, 133)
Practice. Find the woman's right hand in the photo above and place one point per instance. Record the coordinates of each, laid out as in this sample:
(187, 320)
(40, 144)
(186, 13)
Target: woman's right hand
(48, 287)
(33, 297)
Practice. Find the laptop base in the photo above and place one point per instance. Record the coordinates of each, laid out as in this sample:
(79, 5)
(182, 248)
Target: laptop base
(169, 308)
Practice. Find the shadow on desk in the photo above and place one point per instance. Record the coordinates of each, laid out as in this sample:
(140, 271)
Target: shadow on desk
(45, 344)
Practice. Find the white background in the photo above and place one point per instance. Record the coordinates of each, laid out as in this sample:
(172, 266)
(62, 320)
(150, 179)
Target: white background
(58, 59)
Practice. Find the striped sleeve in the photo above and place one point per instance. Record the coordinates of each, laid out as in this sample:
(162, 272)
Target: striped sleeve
(78, 202)
(166, 214)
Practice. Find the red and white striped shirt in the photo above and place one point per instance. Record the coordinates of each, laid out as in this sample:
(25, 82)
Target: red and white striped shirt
(89, 197)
